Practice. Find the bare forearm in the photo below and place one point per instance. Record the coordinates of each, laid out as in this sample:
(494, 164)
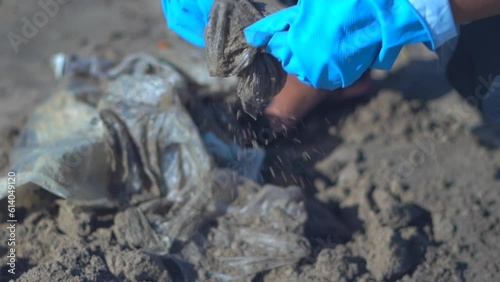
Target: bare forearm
(469, 10)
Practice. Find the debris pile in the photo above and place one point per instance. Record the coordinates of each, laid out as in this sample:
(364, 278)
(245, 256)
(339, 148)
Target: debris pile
(120, 138)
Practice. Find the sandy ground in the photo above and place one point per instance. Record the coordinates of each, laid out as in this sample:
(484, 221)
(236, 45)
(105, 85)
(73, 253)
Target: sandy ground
(416, 196)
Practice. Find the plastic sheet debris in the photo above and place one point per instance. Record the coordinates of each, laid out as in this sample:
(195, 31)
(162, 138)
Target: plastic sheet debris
(139, 136)
(246, 162)
(63, 150)
(228, 53)
(130, 143)
(269, 236)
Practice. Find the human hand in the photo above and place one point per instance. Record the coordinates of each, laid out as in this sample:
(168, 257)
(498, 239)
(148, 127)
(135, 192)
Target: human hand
(331, 45)
(188, 18)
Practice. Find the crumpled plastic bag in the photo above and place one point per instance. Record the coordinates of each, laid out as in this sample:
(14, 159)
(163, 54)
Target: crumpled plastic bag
(140, 110)
(138, 137)
(228, 53)
(99, 148)
(267, 225)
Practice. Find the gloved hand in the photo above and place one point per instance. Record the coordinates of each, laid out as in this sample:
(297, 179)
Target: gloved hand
(188, 18)
(330, 44)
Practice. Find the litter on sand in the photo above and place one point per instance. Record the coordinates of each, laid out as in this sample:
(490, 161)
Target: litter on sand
(120, 136)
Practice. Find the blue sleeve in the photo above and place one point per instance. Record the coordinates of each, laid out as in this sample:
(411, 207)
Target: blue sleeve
(439, 18)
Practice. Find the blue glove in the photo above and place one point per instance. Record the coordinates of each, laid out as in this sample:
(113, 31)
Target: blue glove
(188, 18)
(330, 44)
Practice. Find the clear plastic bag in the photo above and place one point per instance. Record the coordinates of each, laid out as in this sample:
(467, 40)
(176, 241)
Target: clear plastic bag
(138, 137)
